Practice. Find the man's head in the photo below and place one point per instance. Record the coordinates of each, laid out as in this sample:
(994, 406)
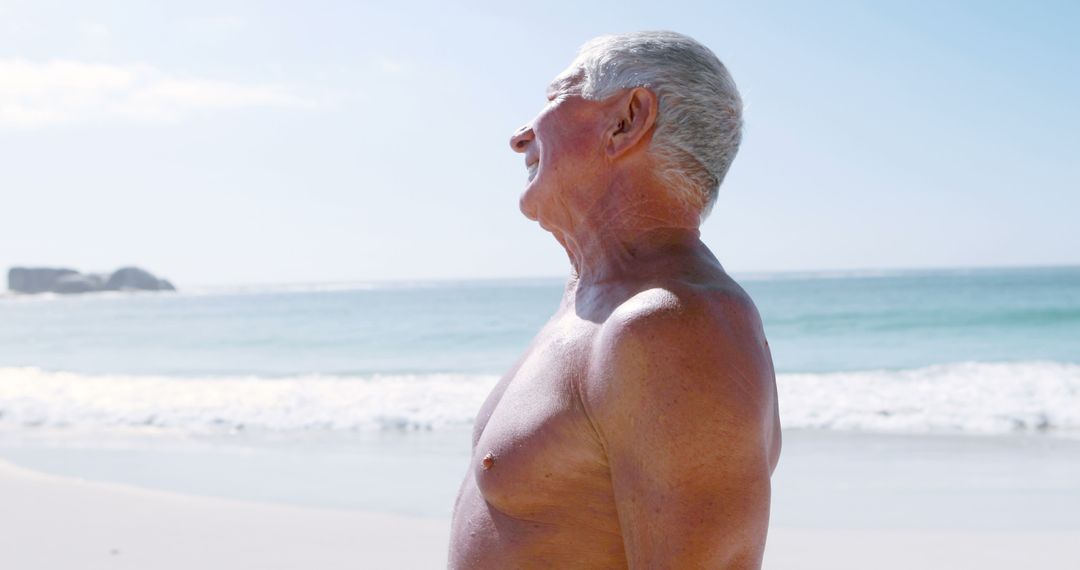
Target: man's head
(666, 93)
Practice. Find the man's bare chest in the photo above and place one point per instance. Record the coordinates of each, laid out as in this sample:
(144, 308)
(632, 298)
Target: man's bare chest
(537, 451)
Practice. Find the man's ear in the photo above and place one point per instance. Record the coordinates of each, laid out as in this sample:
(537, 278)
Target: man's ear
(633, 120)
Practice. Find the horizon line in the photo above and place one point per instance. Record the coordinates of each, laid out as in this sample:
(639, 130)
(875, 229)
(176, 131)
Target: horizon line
(744, 275)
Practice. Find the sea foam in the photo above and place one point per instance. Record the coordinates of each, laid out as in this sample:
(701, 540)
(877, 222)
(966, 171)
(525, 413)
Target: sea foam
(33, 398)
(968, 397)
(983, 398)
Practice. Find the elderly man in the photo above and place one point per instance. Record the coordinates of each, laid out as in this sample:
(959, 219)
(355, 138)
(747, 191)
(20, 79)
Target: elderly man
(640, 427)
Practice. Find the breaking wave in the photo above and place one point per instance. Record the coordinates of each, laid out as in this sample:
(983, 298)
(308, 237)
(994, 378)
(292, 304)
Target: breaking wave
(969, 397)
(33, 398)
(974, 397)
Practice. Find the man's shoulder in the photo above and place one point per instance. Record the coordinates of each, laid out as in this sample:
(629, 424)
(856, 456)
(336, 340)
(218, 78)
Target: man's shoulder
(697, 356)
(683, 336)
(675, 314)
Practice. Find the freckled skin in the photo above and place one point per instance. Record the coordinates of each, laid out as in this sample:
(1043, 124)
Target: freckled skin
(639, 428)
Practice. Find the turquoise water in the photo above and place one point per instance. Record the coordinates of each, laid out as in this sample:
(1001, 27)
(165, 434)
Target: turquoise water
(920, 318)
(976, 350)
(814, 324)
(362, 396)
(451, 327)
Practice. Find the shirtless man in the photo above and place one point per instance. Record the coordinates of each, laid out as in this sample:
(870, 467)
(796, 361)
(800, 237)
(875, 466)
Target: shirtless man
(640, 427)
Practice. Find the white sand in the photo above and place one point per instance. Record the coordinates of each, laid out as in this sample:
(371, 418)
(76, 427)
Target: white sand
(798, 549)
(49, 522)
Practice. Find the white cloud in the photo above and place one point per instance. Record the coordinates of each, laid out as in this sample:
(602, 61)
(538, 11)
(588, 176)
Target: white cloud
(64, 92)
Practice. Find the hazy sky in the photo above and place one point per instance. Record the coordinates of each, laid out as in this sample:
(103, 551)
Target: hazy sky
(250, 142)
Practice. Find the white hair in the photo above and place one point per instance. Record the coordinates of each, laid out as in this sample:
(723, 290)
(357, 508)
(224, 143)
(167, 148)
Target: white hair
(699, 125)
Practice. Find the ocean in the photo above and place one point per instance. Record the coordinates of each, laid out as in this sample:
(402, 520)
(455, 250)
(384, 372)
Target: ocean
(988, 351)
(912, 399)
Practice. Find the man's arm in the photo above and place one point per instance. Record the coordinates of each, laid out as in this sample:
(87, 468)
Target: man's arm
(682, 393)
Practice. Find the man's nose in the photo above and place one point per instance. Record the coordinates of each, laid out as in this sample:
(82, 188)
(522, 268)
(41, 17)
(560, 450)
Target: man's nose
(521, 138)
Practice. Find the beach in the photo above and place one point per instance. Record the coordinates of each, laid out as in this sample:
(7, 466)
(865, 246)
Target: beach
(52, 521)
(930, 420)
(286, 285)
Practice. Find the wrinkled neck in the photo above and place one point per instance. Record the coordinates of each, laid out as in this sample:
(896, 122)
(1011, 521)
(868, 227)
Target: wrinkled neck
(624, 255)
(630, 232)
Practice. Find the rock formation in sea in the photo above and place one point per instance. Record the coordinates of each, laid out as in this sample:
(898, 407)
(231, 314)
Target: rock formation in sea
(136, 279)
(69, 281)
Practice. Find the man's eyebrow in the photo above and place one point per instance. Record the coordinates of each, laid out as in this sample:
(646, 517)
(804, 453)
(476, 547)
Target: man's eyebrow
(567, 82)
(563, 86)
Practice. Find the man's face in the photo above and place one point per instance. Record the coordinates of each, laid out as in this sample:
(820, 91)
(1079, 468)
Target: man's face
(562, 146)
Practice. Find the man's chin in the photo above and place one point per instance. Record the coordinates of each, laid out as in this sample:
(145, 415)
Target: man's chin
(527, 206)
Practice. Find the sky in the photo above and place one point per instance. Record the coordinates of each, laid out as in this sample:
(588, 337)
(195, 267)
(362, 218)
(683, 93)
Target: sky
(226, 142)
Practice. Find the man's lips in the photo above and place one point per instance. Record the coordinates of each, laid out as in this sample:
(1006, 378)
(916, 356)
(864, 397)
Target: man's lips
(532, 168)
